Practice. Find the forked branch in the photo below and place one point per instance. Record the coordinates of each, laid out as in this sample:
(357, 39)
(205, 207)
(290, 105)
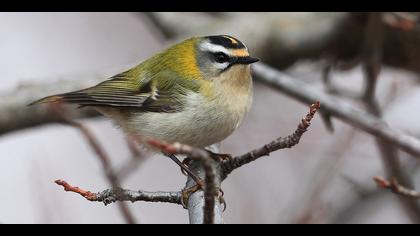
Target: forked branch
(209, 167)
(280, 143)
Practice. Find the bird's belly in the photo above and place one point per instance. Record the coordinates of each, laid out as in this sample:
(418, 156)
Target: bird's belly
(192, 127)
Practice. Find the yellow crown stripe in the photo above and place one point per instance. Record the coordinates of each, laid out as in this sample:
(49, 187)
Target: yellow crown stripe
(234, 41)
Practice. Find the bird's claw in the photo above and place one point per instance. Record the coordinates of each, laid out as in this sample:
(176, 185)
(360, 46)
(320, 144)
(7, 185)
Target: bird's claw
(221, 198)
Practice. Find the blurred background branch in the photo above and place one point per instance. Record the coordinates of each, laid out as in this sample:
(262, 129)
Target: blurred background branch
(15, 114)
(102, 156)
(372, 55)
(396, 187)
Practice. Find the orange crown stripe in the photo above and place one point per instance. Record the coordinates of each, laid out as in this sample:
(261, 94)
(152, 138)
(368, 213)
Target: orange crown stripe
(240, 53)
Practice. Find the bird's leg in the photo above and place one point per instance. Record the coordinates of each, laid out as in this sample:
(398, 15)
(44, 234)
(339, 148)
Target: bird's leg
(185, 169)
(219, 157)
(187, 162)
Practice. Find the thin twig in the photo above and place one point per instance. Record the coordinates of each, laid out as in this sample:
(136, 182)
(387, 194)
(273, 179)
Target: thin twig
(280, 143)
(210, 187)
(102, 156)
(396, 187)
(68, 188)
(113, 195)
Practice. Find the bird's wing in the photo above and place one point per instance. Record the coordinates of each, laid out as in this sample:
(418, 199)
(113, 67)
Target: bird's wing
(121, 91)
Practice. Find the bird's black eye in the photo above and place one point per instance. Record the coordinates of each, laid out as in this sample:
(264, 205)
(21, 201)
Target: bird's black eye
(220, 57)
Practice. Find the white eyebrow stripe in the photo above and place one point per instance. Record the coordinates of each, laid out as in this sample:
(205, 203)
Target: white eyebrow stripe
(221, 66)
(207, 46)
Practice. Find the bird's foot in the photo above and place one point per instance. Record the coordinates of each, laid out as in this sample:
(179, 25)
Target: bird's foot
(186, 193)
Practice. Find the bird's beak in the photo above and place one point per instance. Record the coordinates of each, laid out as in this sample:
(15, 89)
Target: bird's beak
(246, 60)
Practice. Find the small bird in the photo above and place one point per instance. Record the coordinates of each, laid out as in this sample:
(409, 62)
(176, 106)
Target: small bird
(196, 92)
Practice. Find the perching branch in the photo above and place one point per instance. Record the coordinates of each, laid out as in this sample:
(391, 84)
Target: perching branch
(211, 185)
(396, 188)
(113, 195)
(280, 143)
(209, 166)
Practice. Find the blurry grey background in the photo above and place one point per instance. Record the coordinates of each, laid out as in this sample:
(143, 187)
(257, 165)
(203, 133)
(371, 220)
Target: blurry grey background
(281, 188)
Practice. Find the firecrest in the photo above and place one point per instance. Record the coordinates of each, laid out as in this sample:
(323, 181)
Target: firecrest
(196, 92)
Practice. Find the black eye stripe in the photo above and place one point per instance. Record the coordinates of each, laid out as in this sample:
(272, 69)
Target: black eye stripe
(221, 57)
